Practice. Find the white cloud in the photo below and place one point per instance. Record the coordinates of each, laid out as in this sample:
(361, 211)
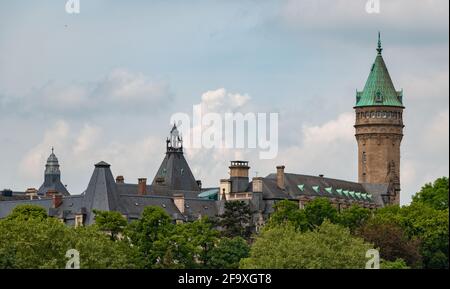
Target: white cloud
(120, 90)
(79, 149)
(220, 101)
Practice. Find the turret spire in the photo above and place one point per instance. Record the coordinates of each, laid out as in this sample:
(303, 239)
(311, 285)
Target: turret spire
(379, 49)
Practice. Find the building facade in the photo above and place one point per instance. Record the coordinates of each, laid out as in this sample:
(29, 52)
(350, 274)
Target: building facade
(379, 131)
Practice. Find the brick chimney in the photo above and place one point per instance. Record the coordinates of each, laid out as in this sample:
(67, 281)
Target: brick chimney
(120, 180)
(51, 193)
(280, 177)
(142, 186)
(57, 200)
(257, 184)
(178, 199)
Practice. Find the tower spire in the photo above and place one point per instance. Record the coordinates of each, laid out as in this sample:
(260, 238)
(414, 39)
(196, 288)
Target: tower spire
(379, 49)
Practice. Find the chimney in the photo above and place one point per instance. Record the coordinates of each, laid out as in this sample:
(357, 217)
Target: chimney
(142, 186)
(178, 199)
(239, 176)
(51, 193)
(31, 192)
(321, 176)
(7, 193)
(57, 200)
(120, 180)
(280, 177)
(257, 185)
(199, 183)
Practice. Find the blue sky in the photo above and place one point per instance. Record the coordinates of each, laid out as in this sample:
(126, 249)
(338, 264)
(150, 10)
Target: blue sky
(303, 59)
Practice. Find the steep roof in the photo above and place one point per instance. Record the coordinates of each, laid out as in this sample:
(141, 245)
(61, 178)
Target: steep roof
(379, 89)
(174, 172)
(52, 177)
(101, 193)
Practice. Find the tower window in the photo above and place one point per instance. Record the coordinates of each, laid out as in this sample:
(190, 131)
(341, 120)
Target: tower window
(379, 97)
(364, 157)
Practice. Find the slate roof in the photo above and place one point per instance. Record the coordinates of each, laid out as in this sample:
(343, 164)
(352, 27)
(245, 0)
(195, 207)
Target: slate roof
(174, 174)
(52, 177)
(379, 89)
(297, 185)
(101, 193)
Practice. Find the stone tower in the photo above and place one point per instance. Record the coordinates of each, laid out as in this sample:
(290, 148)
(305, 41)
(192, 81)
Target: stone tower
(379, 129)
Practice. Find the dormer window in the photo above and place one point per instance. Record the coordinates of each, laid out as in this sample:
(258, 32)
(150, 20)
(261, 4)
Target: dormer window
(378, 97)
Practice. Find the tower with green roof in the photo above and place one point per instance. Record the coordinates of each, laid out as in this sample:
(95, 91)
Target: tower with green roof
(379, 128)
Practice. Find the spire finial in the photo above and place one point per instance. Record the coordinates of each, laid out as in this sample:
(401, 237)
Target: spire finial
(53, 149)
(379, 49)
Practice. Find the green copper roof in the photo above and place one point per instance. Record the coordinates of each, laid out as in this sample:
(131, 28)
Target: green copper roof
(301, 187)
(339, 191)
(316, 188)
(379, 89)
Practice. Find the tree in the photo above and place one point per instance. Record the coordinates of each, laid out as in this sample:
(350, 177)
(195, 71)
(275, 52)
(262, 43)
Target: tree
(319, 210)
(434, 195)
(354, 217)
(153, 227)
(228, 253)
(287, 212)
(327, 246)
(397, 264)
(185, 246)
(25, 212)
(110, 221)
(425, 223)
(392, 242)
(236, 220)
(42, 243)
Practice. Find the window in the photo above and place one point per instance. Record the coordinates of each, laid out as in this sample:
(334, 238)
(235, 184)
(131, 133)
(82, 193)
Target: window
(78, 220)
(364, 157)
(379, 97)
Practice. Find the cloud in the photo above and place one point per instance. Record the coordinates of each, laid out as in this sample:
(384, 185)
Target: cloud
(79, 149)
(220, 101)
(120, 91)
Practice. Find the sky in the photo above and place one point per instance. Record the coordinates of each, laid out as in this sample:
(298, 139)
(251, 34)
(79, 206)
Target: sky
(103, 84)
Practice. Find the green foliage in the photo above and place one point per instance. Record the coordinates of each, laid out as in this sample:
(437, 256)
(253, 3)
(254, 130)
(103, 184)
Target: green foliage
(44, 243)
(397, 264)
(327, 246)
(227, 253)
(236, 220)
(392, 242)
(288, 213)
(425, 223)
(354, 217)
(145, 233)
(434, 195)
(319, 210)
(25, 212)
(111, 222)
